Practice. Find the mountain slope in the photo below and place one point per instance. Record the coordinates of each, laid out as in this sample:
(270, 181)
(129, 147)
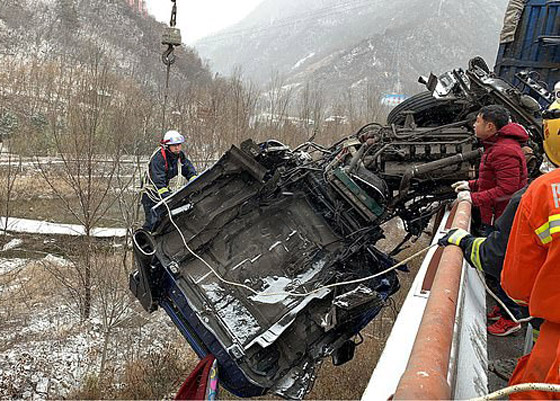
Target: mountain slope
(341, 44)
(77, 29)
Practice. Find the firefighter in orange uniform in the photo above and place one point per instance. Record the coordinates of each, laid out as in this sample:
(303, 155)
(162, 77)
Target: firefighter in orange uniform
(531, 273)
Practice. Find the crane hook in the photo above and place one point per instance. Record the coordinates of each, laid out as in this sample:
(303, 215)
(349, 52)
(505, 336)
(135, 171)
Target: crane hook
(168, 57)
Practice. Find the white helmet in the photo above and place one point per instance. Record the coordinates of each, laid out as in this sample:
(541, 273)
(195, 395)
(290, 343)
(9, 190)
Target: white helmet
(172, 138)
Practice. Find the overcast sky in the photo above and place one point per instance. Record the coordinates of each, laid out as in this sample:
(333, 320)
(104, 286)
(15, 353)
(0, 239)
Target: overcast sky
(198, 18)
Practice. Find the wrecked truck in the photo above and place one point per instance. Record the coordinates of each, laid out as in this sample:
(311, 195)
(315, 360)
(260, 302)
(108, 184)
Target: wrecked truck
(268, 260)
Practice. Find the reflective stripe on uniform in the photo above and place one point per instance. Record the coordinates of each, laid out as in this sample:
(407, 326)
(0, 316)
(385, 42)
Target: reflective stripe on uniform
(456, 237)
(163, 190)
(519, 302)
(475, 253)
(545, 231)
(536, 333)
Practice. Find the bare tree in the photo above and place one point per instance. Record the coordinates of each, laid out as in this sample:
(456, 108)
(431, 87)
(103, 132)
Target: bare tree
(243, 97)
(83, 114)
(136, 124)
(113, 300)
(10, 169)
(276, 100)
(10, 130)
(311, 110)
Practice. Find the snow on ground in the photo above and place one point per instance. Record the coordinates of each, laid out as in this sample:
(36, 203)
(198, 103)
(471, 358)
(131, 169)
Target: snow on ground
(12, 244)
(56, 261)
(303, 60)
(44, 227)
(10, 265)
(49, 355)
(46, 352)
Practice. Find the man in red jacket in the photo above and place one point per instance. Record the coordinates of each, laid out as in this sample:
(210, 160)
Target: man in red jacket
(502, 172)
(503, 169)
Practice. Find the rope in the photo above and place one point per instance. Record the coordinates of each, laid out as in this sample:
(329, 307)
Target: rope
(281, 293)
(148, 186)
(546, 387)
(499, 301)
(500, 394)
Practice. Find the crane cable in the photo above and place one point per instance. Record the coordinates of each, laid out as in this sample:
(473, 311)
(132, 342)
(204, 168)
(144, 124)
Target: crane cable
(168, 58)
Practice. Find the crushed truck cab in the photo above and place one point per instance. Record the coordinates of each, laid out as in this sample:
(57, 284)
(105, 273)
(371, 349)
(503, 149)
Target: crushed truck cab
(241, 265)
(268, 260)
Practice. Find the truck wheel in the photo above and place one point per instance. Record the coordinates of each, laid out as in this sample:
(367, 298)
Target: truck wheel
(428, 111)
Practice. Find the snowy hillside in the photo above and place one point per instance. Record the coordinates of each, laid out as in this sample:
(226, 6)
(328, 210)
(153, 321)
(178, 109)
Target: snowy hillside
(74, 30)
(347, 44)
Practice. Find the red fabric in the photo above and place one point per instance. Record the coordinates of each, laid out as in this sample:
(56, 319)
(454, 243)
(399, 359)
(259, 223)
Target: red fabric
(194, 388)
(165, 159)
(502, 172)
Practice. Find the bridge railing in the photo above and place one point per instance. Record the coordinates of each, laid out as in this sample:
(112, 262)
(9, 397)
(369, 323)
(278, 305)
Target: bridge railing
(437, 347)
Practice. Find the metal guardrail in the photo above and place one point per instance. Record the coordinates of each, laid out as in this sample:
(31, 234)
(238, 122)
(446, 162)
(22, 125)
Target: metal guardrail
(437, 347)
(427, 371)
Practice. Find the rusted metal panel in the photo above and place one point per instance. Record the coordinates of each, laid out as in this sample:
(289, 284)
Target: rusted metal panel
(426, 375)
(394, 358)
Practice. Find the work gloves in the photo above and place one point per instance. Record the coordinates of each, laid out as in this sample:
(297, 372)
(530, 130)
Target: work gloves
(464, 196)
(461, 186)
(463, 191)
(455, 236)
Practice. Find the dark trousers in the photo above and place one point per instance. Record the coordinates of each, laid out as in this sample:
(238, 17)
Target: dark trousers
(494, 283)
(151, 217)
(518, 311)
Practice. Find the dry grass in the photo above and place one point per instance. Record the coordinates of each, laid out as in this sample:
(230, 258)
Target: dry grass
(131, 372)
(156, 377)
(34, 183)
(33, 198)
(160, 374)
(26, 286)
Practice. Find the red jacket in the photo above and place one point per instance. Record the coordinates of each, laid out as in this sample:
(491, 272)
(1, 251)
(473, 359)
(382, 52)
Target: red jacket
(502, 172)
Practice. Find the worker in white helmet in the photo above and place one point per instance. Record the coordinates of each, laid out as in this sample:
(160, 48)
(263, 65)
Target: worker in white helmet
(163, 166)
